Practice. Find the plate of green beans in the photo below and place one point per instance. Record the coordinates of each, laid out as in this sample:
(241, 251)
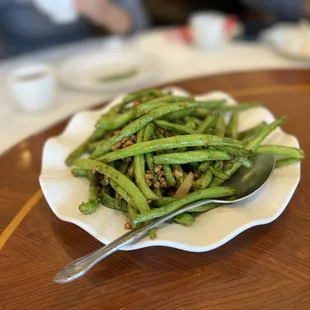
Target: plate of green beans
(151, 152)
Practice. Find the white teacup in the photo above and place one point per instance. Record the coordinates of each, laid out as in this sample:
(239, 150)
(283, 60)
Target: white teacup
(34, 87)
(208, 29)
(59, 11)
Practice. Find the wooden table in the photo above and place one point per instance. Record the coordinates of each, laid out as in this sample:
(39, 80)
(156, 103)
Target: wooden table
(265, 267)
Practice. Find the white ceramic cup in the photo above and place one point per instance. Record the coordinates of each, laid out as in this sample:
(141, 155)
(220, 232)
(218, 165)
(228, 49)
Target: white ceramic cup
(59, 11)
(34, 87)
(208, 29)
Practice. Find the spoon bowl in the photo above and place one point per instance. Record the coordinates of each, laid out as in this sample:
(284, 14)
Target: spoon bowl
(246, 181)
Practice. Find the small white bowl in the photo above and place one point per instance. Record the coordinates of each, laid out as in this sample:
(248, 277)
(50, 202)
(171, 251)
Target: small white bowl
(34, 86)
(208, 29)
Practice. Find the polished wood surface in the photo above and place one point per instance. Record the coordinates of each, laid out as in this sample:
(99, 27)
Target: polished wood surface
(264, 267)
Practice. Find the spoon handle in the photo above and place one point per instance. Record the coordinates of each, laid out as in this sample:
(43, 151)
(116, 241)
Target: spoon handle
(79, 267)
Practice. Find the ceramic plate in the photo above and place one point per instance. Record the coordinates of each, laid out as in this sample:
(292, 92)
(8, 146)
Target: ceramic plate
(108, 70)
(289, 41)
(64, 193)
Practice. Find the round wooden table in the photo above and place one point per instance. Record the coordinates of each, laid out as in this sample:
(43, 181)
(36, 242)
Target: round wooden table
(265, 267)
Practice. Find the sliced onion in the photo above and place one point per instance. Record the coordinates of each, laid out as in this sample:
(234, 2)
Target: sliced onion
(185, 186)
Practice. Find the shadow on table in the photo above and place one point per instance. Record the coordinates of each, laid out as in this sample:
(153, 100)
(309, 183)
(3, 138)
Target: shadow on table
(155, 260)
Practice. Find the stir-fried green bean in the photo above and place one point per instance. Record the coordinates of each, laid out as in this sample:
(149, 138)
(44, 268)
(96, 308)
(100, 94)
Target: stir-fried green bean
(136, 196)
(139, 166)
(154, 147)
(139, 123)
(184, 219)
(204, 181)
(286, 162)
(206, 124)
(170, 143)
(191, 157)
(233, 125)
(214, 192)
(80, 172)
(91, 205)
(175, 127)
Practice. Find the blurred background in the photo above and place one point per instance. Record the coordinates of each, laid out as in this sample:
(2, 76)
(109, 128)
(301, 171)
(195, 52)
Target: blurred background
(27, 25)
(58, 57)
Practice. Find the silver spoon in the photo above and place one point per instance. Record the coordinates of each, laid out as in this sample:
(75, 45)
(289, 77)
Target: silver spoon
(246, 182)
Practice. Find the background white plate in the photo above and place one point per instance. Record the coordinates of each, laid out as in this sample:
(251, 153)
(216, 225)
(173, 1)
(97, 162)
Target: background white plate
(82, 71)
(212, 229)
(289, 41)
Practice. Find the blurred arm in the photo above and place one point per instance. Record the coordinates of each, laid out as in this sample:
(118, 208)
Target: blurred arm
(282, 9)
(121, 16)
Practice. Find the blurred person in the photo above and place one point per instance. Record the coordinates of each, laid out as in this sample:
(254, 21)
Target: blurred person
(177, 12)
(24, 28)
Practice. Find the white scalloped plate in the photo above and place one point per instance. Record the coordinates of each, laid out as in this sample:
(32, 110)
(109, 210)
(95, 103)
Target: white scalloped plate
(212, 229)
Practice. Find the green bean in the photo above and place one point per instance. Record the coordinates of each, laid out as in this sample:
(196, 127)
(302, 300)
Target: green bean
(149, 162)
(201, 112)
(247, 134)
(78, 152)
(110, 202)
(254, 143)
(209, 193)
(178, 173)
(206, 124)
(120, 191)
(219, 129)
(171, 181)
(241, 107)
(149, 135)
(190, 125)
(153, 234)
(191, 157)
(123, 167)
(117, 109)
(117, 122)
(234, 151)
(146, 92)
(233, 125)
(204, 181)
(251, 146)
(132, 213)
(204, 166)
(280, 150)
(137, 197)
(219, 165)
(244, 162)
(139, 166)
(91, 205)
(286, 162)
(140, 123)
(97, 135)
(206, 207)
(164, 201)
(175, 127)
(80, 173)
(91, 147)
(184, 219)
(130, 168)
(175, 116)
(169, 176)
(169, 143)
(218, 173)
(196, 120)
(168, 200)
